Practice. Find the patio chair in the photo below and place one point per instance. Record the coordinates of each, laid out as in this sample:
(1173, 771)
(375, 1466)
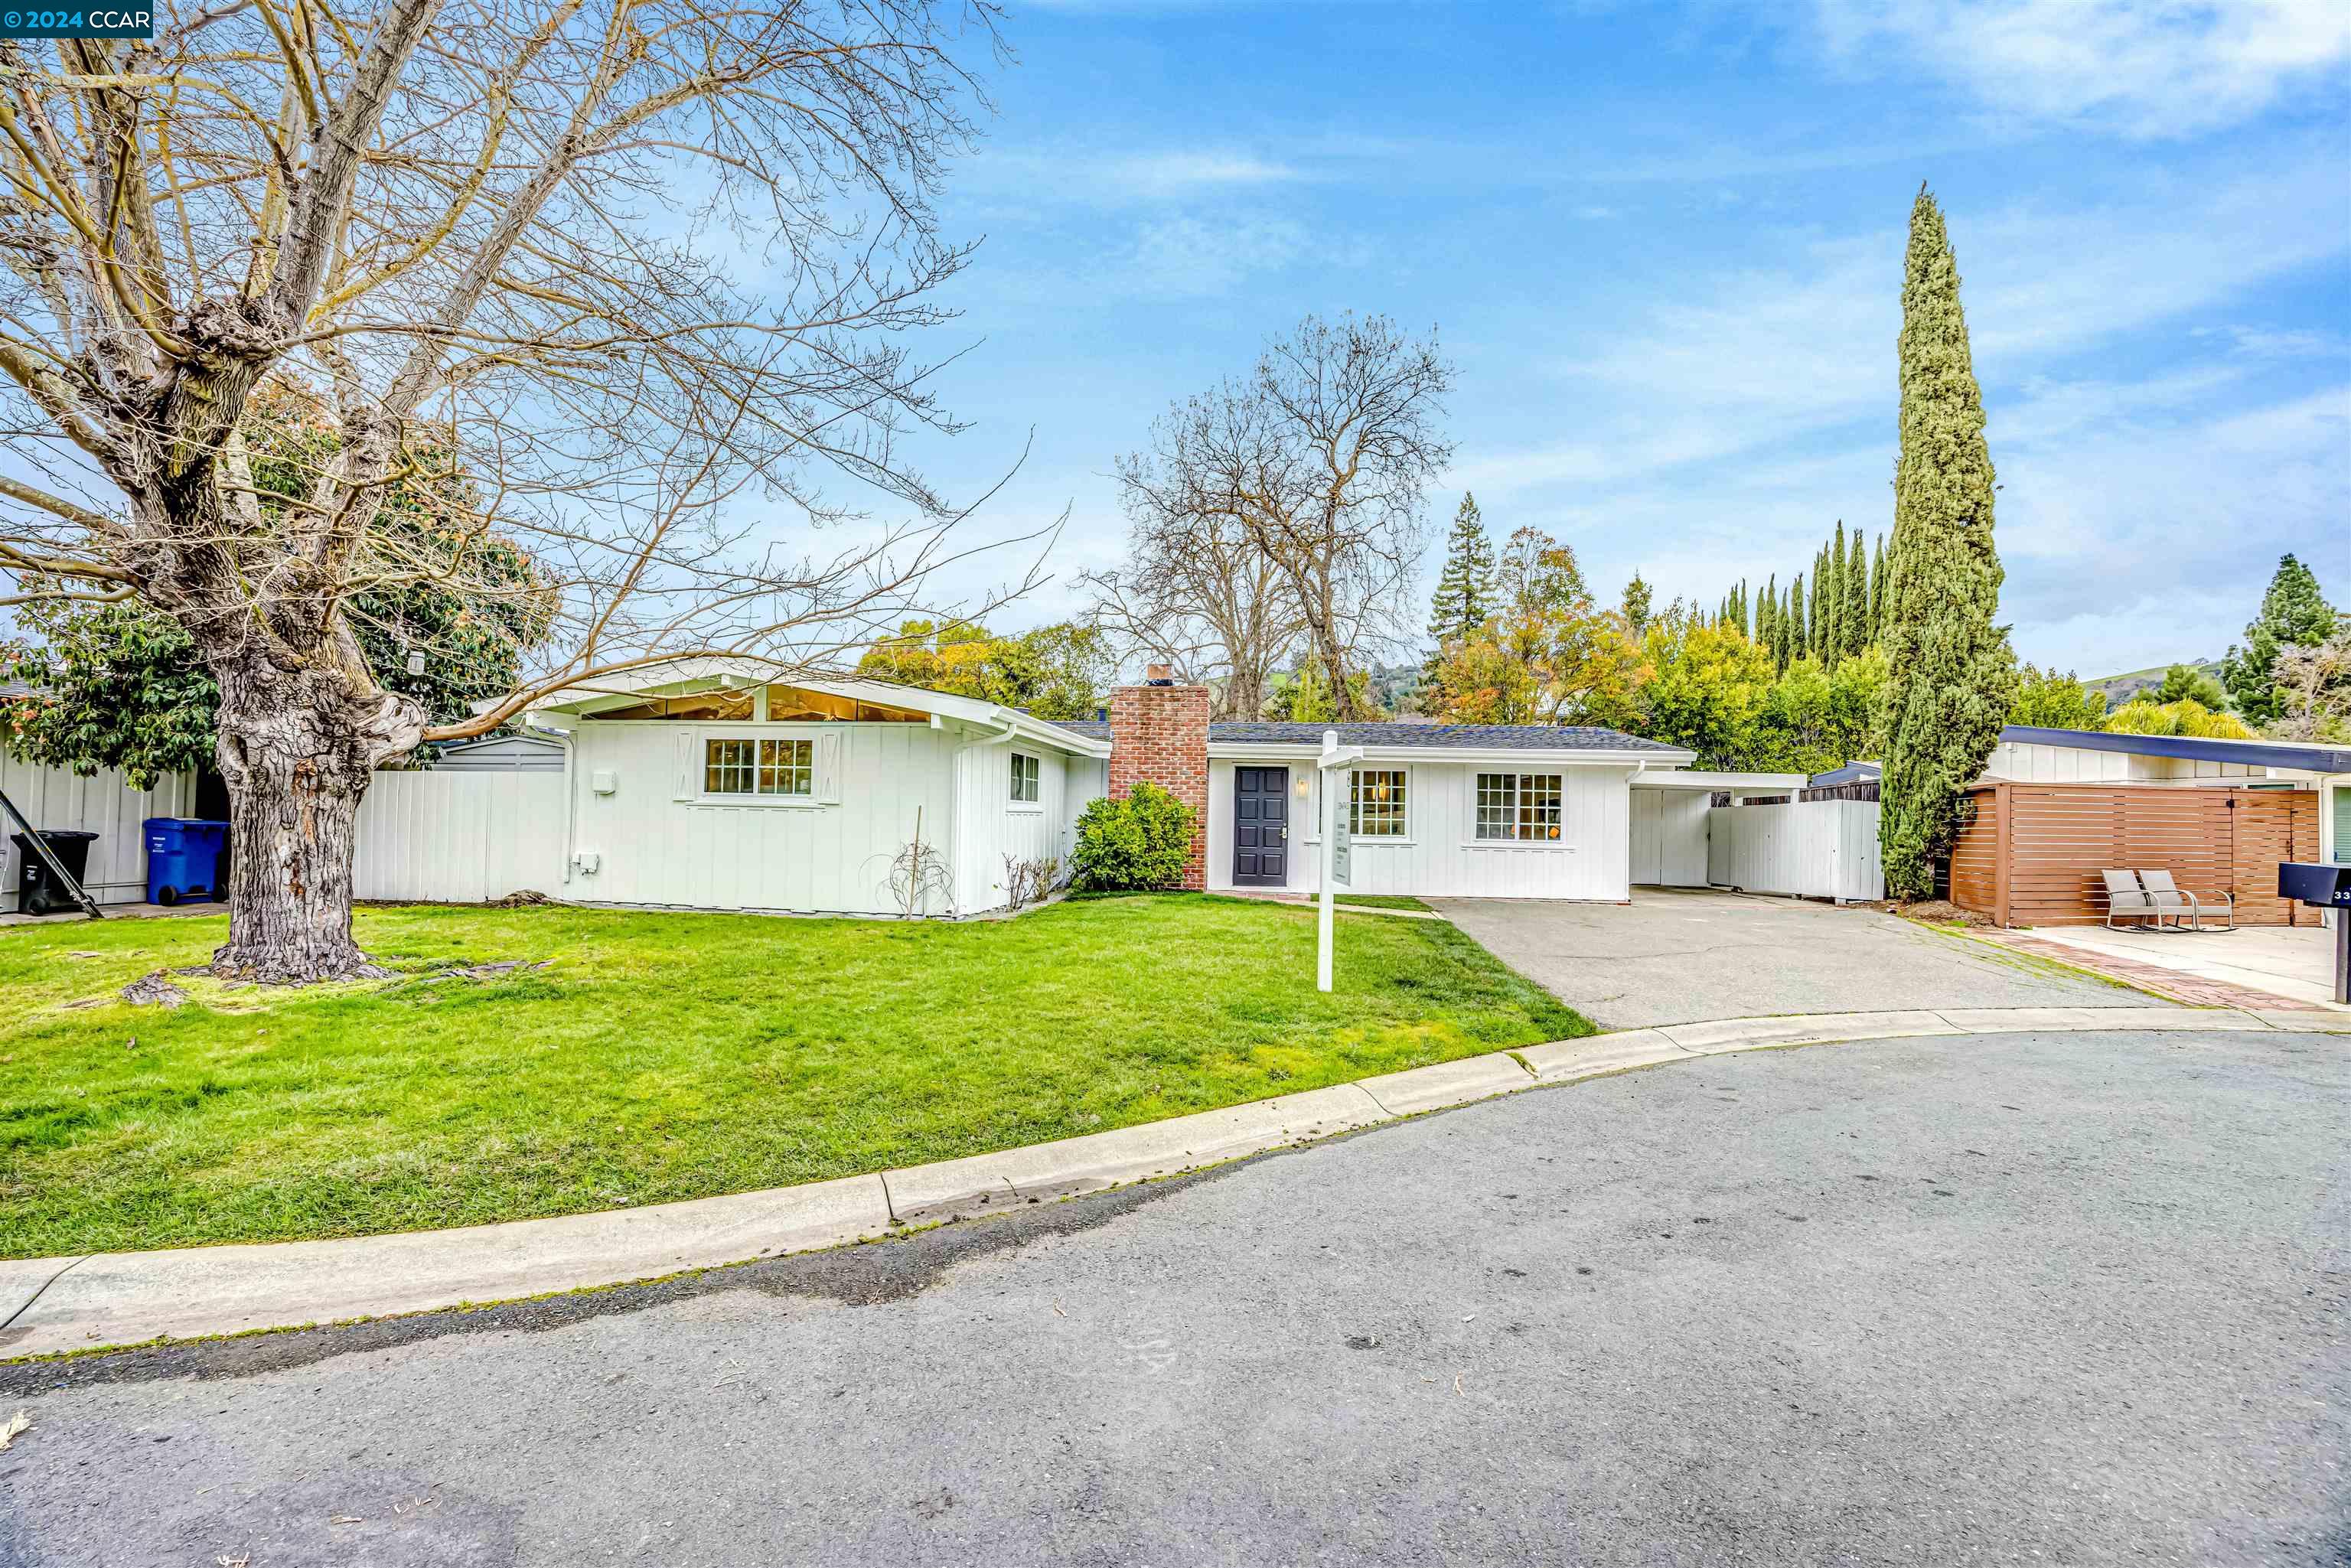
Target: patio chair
(2171, 896)
(2127, 900)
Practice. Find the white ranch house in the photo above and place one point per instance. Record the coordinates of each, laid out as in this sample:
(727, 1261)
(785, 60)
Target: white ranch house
(704, 785)
(707, 787)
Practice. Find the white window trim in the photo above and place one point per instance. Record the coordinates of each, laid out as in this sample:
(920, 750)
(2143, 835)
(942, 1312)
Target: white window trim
(1027, 808)
(1561, 844)
(1411, 805)
(812, 801)
(1319, 780)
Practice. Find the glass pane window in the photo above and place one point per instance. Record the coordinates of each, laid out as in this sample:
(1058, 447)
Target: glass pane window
(1375, 803)
(749, 767)
(1497, 805)
(787, 768)
(1024, 776)
(1519, 807)
(726, 767)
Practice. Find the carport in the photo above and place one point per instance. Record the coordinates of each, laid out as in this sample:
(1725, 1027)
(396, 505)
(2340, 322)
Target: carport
(1669, 820)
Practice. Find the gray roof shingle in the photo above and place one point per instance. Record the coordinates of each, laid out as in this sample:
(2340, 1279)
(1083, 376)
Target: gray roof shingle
(1462, 736)
(1466, 737)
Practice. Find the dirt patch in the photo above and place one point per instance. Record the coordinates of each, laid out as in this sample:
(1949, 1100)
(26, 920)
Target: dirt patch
(156, 988)
(1931, 912)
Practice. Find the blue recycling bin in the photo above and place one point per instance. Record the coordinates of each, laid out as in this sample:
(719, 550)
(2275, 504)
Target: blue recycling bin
(183, 858)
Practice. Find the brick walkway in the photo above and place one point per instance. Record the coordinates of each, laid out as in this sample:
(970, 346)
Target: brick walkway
(2192, 990)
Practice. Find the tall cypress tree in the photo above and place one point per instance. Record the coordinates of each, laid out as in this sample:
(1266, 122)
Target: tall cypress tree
(1878, 592)
(1799, 621)
(1766, 618)
(1465, 588)
(1855, 613)
(1833, 640)
(1951, 674)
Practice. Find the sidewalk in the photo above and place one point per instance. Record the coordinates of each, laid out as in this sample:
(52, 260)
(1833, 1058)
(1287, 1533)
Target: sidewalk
(2253, 966)
(58, 1306)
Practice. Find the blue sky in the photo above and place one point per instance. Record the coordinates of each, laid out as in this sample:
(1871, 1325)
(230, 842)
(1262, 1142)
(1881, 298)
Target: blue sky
(1663, 245)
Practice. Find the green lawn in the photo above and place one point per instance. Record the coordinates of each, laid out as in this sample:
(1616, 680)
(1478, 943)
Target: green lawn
(663, 1056)
(1378, 901)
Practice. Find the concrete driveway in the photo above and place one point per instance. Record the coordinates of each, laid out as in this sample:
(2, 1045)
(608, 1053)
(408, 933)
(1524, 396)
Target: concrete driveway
(1685, 956)
(2006, 1298)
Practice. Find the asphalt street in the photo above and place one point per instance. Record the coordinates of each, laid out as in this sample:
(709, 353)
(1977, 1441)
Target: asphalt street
(2065, 1298)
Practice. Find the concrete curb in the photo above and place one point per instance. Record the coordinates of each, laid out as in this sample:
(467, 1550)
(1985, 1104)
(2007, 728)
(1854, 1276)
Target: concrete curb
(59, 1305)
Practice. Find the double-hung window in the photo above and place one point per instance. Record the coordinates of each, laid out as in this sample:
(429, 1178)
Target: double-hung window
(743, 766)
(1519, 807)
(1024, 778)
(1375, 803)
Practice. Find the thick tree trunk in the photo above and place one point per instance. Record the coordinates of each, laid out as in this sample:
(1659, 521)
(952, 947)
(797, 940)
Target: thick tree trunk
(297, 749)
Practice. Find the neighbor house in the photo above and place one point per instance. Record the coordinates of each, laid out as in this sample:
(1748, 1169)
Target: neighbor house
(2057, 808)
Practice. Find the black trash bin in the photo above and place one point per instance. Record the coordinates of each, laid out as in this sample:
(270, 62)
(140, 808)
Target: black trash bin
(38, 890)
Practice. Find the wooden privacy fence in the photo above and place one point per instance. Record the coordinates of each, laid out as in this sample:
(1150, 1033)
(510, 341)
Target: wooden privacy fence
(2033, 854)
(1814, 848)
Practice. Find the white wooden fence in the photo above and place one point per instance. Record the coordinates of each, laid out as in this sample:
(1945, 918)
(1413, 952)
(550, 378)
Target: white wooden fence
(1816, 849)
(102, 804)
(460, 837)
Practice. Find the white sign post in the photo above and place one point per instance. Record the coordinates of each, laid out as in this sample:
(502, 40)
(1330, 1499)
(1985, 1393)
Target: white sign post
(1335, 855)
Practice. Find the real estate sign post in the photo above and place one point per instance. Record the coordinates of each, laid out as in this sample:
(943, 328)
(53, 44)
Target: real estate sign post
(1333, 849)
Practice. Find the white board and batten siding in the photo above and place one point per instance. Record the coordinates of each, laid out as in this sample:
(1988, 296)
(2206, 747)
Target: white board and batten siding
(2030, 762)
(993, 825)
(657, 840)
(1441, 855)
(459, 836)
(57, 798)
(1813, 849)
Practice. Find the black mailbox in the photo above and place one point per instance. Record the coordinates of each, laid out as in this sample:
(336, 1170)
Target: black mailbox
(2312, 883)
(2329, 886)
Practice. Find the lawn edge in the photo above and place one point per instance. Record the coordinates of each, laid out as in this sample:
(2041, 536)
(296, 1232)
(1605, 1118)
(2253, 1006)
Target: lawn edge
(977, 1187)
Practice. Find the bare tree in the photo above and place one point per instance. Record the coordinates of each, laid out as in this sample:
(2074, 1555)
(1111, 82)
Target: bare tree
(644, 269)
(1317, 465)
(2314, 683)
(1198, 591)
(1359, 404)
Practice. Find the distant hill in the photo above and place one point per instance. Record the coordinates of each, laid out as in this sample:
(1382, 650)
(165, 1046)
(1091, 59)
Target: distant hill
(2120, 689)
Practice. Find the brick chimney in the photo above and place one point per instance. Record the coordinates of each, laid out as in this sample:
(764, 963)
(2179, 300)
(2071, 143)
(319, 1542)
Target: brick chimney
(1159, 734)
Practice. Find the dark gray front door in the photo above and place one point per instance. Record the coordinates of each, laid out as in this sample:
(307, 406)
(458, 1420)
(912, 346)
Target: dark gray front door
(1260, 827)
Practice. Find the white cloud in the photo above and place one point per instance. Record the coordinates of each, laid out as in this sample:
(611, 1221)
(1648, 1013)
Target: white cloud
(1035, 177)
(2267, 343)
(2152, 539)
(1721, 433)
(2142, 68)
(1753, 358)
(1176, 173)
(1189, 255)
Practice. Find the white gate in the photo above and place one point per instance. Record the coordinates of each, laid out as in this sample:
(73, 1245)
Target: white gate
(1815, 849)
(1668, 837)
(460, 837)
